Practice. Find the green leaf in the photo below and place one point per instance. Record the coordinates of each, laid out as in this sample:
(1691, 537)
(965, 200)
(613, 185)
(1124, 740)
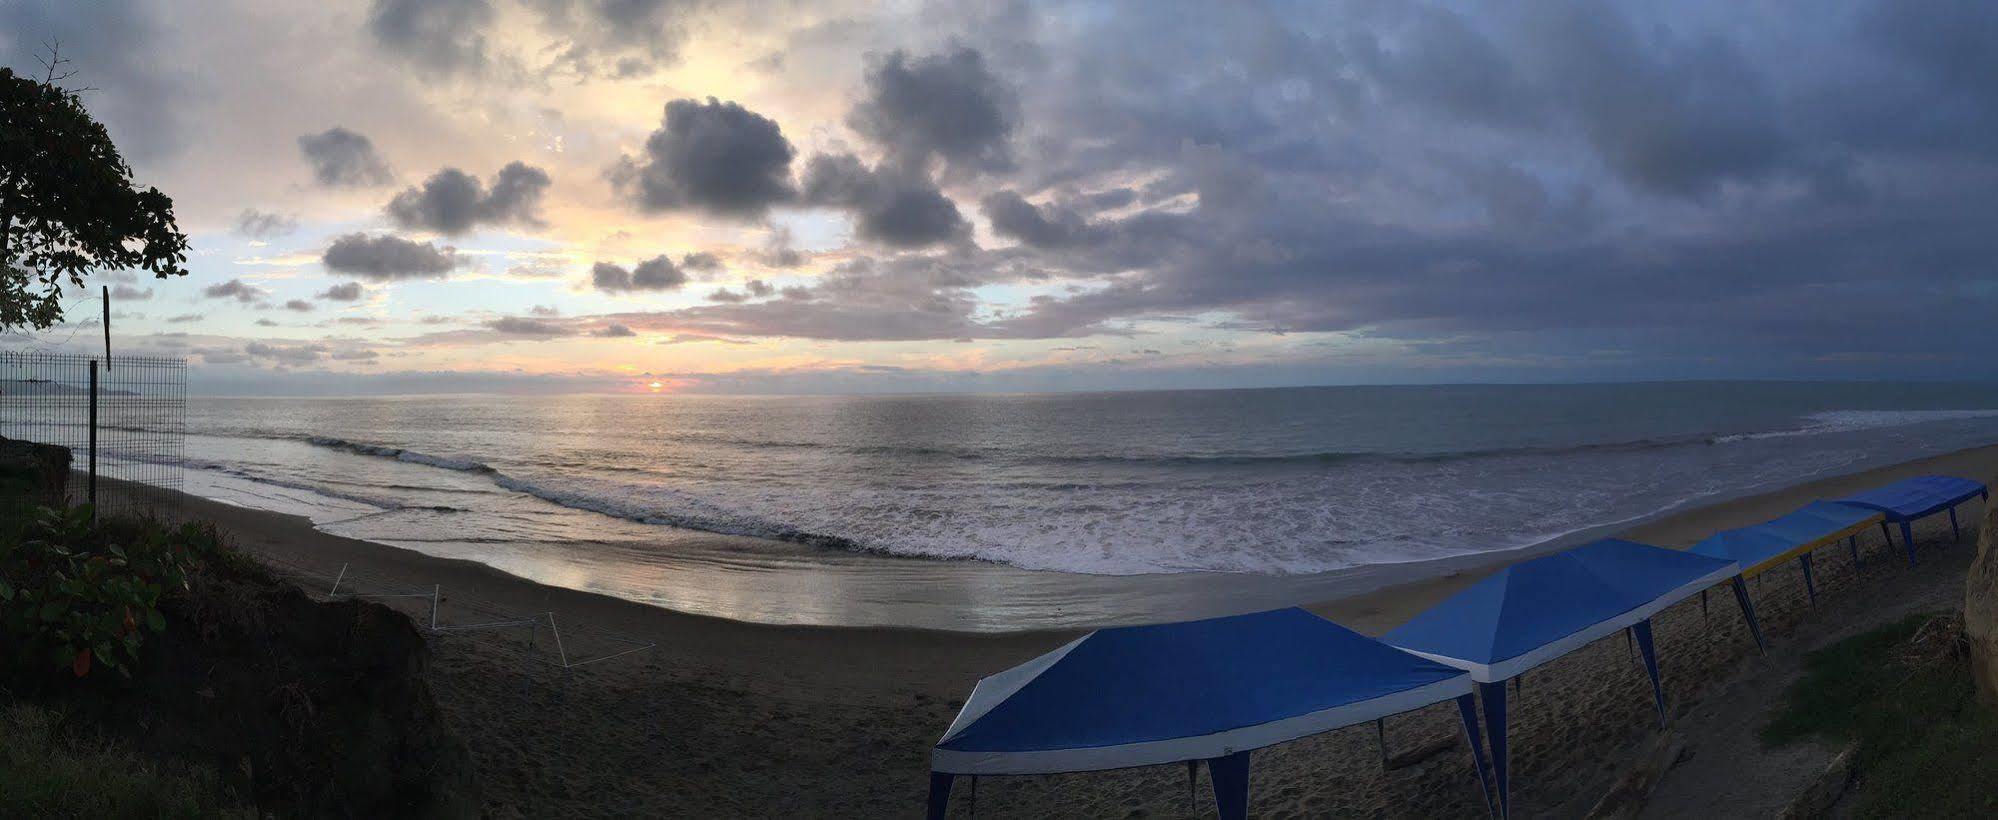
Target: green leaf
(155, 621)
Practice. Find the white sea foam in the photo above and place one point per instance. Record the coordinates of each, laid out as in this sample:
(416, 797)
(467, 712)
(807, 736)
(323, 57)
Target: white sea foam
(1846, 421)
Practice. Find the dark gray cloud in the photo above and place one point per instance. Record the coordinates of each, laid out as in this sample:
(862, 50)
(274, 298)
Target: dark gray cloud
(946, 106)
(655, 274)
(891, 206)
(702, 261)
(442, 37)
(128, 293)
(452, 202)
(1016, 218)
(283, 355)
(617, 38)
(387, 258)
(257, 224)
(713, 157)
(299, 305)
(116, 48)
(613, 332)
(344, 292)
(235, 289)
(522, 326)
(340, 157)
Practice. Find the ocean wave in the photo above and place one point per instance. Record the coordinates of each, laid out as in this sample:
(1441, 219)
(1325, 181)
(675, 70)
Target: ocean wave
(1847, 421)
(718, 522)
(462, 465)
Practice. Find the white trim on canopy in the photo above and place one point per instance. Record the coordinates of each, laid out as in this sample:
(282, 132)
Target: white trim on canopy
(1506, 669)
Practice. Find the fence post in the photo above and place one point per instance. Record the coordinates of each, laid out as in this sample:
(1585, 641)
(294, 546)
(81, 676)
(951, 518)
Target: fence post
(93, 439)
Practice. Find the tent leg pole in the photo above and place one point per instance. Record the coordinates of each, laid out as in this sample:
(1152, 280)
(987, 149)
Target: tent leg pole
(1852, 543)
(939, 795)
(1908, 540)
(1748, 614)
(1467, 711)
(1703, 607)
(1642, 629)
(1955, 533)
(1493, 695)
(1231, 785)
(1380, 737)
(1810, 586)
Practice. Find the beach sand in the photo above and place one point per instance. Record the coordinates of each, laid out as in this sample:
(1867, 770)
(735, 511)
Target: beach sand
(722, 718)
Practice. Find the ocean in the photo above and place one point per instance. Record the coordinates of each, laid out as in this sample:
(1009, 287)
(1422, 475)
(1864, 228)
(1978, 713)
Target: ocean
(605, 492)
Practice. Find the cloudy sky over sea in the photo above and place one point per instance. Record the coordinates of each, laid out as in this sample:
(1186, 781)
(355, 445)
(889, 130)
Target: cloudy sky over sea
(772, 196)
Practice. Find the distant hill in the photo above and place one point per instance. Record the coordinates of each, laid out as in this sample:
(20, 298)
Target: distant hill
(27, 387)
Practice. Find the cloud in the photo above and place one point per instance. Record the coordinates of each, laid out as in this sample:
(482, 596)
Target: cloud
(618, 39)
(452, 202)
(520, 326)
(388, 258)
(285, 355)
(947, 106)
(544, 310)
(1015, 218)
(443, 37)
(257, 224)
(114, 47)
(128, 293)
(893, 207)
(184, 318)
(702, 261)
(299, 305)
(613, 332)
(713, 157)
(343, 292)
(235, 289)
(342, 158)
(726, 295)
(655, 274)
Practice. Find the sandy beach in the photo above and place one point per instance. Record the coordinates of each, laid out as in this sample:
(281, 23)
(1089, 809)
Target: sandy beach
(724, 718)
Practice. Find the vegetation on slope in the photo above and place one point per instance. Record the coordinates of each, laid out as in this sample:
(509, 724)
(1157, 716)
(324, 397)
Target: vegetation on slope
(1926, 744)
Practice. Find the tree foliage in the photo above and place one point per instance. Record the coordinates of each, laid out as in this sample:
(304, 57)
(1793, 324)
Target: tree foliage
(67, 204)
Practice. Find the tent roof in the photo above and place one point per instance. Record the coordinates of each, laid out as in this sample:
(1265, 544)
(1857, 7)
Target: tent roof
(1913, 498)
(1772, 542)
(1535, 611)
(1142, 695)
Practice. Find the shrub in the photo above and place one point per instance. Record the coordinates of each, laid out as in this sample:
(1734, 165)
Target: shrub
(77, 596)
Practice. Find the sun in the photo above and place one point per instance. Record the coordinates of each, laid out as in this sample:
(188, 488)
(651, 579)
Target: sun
(656, 386)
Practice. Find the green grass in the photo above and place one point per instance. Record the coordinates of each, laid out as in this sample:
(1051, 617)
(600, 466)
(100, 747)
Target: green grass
(1927, 747)
(46, 771)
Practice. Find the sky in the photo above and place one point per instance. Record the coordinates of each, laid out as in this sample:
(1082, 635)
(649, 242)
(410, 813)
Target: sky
(766, 196)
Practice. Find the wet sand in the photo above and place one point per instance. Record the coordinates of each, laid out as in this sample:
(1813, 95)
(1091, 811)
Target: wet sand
(725, 718)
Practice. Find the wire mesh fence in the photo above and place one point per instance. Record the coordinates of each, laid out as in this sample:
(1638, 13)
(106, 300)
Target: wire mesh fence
(124, 422)
(123, 419)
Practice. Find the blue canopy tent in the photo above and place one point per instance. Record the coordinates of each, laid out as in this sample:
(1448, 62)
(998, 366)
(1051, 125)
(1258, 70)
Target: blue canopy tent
(1771, 543)
(1535, 611)
(1211, 690)
(1908, 500)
